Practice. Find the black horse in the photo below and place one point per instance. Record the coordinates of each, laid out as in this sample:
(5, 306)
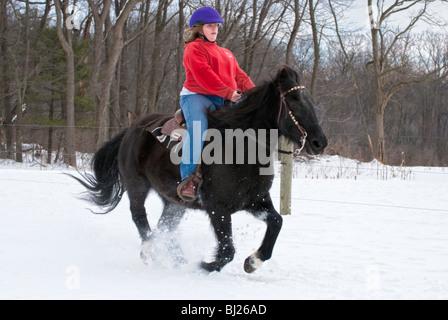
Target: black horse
(136, 162)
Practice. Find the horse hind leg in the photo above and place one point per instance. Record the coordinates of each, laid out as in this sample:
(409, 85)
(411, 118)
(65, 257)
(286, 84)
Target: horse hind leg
(168, 223)
(138, 192)
(222, 225)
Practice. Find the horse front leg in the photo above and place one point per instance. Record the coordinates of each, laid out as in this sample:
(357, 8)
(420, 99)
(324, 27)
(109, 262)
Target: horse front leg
(222, 225)
(265, 211)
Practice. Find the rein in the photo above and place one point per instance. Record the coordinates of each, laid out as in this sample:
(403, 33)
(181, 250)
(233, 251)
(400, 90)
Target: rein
(283, 103)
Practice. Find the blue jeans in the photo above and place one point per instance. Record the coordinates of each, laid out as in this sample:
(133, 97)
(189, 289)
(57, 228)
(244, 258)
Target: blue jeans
(194, 108)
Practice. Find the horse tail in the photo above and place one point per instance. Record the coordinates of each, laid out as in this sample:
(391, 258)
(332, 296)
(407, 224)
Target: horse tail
(104, 187)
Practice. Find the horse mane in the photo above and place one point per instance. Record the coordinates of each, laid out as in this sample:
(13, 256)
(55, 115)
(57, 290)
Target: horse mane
(259, 106)
(252, 112)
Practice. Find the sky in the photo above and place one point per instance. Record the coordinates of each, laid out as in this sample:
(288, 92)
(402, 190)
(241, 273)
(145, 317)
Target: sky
(358, 14)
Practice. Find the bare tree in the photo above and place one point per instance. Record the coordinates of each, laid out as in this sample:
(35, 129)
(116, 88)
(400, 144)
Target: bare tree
(180, 48)
(232, 13)
(115, 51)
(118, 57)
(352, 74)
(162, 20)
(259, 25)
(143, 60)
(385, 42)
(66, 42)
(298, 10)
(5, 97)
(100, 11)
(316, 45)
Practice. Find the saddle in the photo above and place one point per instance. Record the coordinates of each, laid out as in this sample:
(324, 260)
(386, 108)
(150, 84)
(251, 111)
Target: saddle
(169, 130)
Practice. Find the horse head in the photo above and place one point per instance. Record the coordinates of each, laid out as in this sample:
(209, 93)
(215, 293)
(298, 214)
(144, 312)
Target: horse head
(297, 118)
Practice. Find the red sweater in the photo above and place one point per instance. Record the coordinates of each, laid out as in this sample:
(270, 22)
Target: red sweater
(213, 70)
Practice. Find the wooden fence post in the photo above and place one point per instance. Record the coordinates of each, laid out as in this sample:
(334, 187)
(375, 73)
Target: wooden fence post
(286, 177)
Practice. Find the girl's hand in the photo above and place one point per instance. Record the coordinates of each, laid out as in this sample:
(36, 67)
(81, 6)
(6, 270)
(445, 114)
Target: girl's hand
(235, 97)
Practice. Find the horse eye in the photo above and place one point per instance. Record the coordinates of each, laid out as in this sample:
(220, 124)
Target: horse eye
(294, 107)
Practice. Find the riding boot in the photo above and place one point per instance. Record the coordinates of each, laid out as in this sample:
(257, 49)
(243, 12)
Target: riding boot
(188, 190)
(188, 193)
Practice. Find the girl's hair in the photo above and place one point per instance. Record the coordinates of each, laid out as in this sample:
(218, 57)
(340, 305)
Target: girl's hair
(191, 34)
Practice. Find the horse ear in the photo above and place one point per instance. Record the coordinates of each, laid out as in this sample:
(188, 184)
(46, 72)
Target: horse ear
(282, 73)
(295, 76)
(287, 73)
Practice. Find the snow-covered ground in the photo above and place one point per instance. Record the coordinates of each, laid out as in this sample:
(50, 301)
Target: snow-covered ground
(357, 231)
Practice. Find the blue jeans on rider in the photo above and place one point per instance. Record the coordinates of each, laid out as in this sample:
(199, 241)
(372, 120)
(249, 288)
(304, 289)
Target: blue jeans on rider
(194, 107)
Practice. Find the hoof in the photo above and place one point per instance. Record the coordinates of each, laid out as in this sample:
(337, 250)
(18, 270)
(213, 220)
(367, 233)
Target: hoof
(252, 263)
(210, 266)
(144, 257)
(147, 251)
(179, 261)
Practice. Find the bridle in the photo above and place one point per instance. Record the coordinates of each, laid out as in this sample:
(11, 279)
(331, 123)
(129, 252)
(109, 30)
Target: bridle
(283, 103)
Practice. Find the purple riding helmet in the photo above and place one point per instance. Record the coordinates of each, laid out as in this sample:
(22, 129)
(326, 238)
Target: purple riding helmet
(205, 15)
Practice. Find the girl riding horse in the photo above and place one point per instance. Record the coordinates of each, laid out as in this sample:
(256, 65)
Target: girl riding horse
(212, 76)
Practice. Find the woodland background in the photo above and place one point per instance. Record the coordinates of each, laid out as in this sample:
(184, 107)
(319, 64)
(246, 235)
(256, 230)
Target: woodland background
(73, 73)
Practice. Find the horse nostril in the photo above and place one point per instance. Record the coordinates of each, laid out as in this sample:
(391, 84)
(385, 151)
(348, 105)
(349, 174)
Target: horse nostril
(317, 145)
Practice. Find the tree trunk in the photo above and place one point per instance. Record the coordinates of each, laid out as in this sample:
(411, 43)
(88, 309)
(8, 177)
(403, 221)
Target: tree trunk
(22, 86)
(99, 19)
(179, 54)
(66, 42)
(380, 141)
(5, 138)
(5, 94)
(156, 60)
(255, 33)
(380, 150)
(316, 45)
(292, 39)
(115, 118)
(141, 104)
(70, 136)
(355, 81)
(115, 52)
(18, 116)
(50, 129)
(382, 51)
(232, 15)
(104, 103)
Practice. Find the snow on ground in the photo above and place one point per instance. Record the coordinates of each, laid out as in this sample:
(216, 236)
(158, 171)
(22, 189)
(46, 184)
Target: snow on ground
(357, 231)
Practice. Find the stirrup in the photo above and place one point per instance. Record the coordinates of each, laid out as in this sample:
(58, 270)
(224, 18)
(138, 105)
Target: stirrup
(196, 177)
